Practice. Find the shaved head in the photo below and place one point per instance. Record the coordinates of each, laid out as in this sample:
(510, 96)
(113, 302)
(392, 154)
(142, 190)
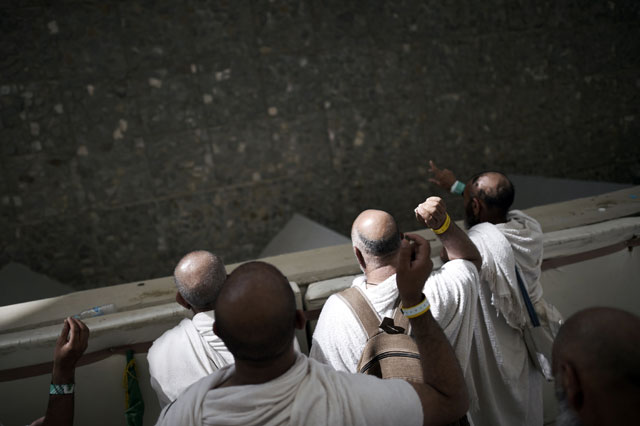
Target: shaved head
(375, 233)
(602, 342)
(256, 312)
(596, 364)
(495, 190)
(199, 277)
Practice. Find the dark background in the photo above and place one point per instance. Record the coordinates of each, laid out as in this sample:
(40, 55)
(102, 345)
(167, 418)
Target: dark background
(133, 132)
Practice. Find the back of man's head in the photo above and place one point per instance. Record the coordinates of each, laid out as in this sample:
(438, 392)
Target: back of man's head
(199, 277)
(256, 313)
(375, 233)
(494, 189)
(596, 356)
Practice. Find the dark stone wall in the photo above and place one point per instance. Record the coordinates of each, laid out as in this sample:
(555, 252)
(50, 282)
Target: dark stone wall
(135, 131)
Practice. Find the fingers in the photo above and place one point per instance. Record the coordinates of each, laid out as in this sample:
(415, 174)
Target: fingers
(434, 168)
(80, 333)
(404, 258)
(84, 334)
(421, 245)
(74, 332)
(62, 339)
(422, 249)
(432, 212)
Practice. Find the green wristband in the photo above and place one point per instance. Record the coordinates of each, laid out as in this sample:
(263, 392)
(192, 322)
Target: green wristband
(66, 389)
(457, 188)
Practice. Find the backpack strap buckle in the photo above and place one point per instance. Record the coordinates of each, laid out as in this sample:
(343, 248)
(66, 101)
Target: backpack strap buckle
(389, 327)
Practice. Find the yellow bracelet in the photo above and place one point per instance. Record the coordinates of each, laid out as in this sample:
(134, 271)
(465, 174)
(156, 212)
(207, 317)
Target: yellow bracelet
(417, 310)
(444, 226)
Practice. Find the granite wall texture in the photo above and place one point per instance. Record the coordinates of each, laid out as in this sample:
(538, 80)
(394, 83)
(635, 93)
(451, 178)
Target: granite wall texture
(135, 131)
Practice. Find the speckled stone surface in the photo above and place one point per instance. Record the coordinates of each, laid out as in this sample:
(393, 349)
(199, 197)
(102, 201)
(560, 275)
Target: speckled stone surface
(132, 132)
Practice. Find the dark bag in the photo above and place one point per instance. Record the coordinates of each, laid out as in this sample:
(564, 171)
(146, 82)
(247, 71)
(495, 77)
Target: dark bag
(390, 353)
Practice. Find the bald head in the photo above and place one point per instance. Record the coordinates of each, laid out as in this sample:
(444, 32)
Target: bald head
(256, 312)
(199, 277)
(375, 233)
(603, 343)
(496, 193)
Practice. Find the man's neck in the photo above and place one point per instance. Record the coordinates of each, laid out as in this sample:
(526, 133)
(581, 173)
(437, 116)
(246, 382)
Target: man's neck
(254, 373)
(381, 274)
(197, 311)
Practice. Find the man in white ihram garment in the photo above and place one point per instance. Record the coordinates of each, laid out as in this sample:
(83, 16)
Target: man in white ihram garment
(339, 339)
(272, 384)
(508, 386)
(190, 350)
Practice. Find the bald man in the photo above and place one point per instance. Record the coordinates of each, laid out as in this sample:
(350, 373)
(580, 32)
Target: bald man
(339, 339)
(271, 384)
(596, 364)
(508, 385)
(190, 350)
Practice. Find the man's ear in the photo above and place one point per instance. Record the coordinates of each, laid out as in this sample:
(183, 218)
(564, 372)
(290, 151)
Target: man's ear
(360, 258)
(301, 320)
(180, 300)
(570, 382)
(476, 206)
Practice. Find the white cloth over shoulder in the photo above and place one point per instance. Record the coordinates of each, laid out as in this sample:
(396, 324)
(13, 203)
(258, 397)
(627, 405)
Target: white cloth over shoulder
(508, 386)
(309, 393)
(185, 354)
(515, 242)
(452, 291)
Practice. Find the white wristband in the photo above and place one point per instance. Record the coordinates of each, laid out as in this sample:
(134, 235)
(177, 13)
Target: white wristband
(419, 309)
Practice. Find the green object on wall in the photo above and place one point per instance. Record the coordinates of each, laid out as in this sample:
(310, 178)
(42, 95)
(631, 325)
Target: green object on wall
(134, 405)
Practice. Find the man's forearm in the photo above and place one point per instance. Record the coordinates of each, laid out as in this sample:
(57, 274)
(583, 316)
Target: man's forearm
(60, 407)
(440, 367)
(457, 245)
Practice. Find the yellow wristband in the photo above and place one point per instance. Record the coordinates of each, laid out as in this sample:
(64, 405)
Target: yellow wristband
(417, 310)
(444, 226)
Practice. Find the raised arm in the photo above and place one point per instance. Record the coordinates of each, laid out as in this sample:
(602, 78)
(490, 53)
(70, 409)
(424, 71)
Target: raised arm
(443, 394)
(71, 344)
(444, 178)
(455, 242)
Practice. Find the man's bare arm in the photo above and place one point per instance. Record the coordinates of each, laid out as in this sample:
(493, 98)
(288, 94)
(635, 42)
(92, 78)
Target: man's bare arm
(456, 244)
(444, 178)
(443, 394)
(66, 355)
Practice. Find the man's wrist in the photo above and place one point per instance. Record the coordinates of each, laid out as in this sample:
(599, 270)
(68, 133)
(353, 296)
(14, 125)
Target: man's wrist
(62, 376)
(411, 299)
(443, 227)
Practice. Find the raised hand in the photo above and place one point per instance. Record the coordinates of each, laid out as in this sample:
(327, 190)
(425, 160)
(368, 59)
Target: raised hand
(414, 267)
(432, 213)
(71, 344)
(444, 178)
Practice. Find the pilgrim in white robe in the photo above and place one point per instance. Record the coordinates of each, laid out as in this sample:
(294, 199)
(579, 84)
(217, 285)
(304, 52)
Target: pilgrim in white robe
(508, 386)
(309, 393)
(339, 339)
(184, 355)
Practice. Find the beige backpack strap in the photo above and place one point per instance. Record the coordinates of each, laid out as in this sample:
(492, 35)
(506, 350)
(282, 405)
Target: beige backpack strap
(399, 320)
(362, 309)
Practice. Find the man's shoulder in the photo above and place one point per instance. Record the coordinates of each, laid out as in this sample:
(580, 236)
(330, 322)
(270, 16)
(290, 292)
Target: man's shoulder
(335, 306)
(457, 268)
(167, 339)
(364, 382)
